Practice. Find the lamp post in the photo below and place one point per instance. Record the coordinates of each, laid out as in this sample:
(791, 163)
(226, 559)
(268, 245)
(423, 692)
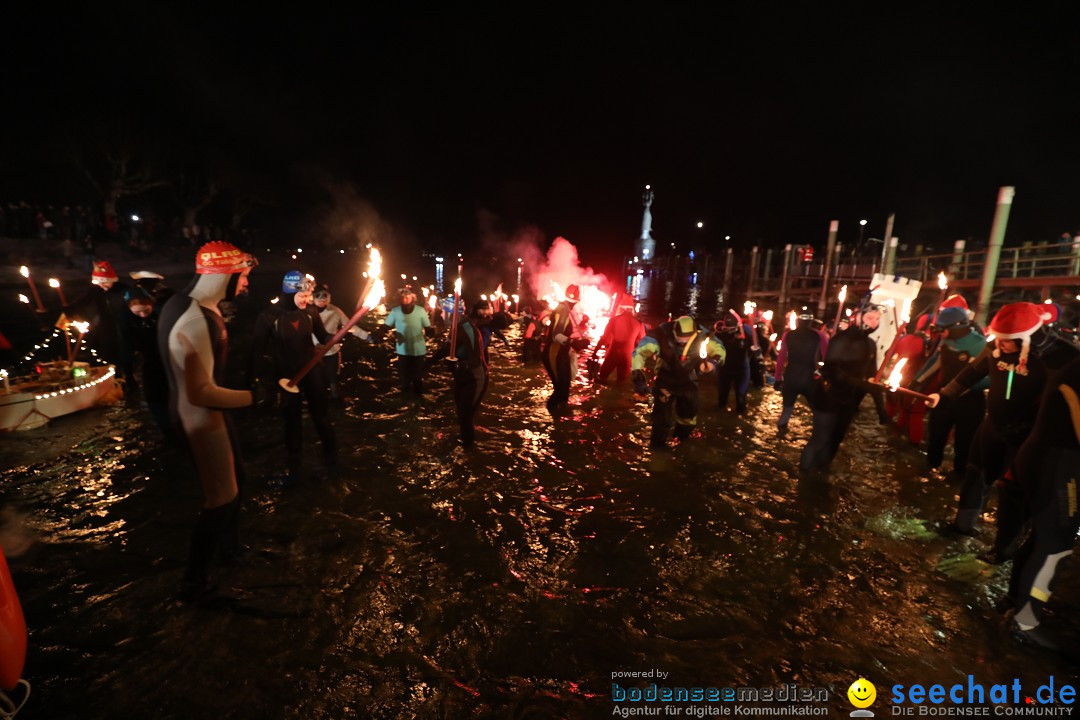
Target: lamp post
(862, 228)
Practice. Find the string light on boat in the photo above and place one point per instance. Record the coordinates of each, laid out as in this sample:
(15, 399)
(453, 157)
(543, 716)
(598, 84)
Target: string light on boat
(85, 386)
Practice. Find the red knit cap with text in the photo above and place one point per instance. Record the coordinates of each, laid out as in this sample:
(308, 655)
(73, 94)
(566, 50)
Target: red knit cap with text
(221, 258)
(103, 272)
(1019, 321)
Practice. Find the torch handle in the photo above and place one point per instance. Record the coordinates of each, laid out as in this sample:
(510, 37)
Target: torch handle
(361, 312)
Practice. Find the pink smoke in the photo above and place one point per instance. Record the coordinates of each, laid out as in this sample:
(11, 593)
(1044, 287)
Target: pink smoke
(563, 267)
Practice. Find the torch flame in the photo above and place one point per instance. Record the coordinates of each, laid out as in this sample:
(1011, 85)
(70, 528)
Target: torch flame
(378, 289)
(24, 299)
(24, 271)
(457, 286)
(54, 283)
(772, 338)
(793, 320)
(82, 327)
(747, 308)
(767, 315)
(432, 301)
(894, 376)
(942, 280)
(704, 351)
(843, 294)
(905, 312)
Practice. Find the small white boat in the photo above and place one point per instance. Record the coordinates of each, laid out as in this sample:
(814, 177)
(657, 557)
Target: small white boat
(59, 388)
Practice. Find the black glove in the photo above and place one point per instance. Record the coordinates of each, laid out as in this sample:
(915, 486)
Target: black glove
(884, 419)
(262, 396)
(579, 344)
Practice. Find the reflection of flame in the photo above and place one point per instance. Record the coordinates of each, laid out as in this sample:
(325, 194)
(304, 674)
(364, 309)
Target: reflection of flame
(942, 280)
(895, 375)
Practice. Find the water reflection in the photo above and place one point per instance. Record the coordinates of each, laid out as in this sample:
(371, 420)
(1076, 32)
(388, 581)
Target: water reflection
(509, 581)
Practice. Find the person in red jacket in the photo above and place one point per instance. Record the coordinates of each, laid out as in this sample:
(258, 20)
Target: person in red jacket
(910, 415)
(621, 336)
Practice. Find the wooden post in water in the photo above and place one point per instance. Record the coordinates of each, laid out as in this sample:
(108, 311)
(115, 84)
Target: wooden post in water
(830, 246)
(993, 253)
(753, 271)
(728, 261)
(885, 240)
(765, 270)
(784, 279)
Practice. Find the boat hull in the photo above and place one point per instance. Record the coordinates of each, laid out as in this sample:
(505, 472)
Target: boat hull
(33, 409)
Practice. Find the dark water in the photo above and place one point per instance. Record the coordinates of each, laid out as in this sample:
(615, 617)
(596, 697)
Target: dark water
(510, 581)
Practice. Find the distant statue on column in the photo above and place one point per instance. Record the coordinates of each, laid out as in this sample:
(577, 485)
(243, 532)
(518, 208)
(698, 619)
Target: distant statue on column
(646, 244)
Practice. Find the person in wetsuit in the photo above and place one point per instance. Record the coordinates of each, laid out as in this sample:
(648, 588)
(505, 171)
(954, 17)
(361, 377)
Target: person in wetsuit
(621, 336)
(559, 347)
(105, 307)
(958, 345)
(194, 345)
(469, 366)
(797, 361)
(145, 314)
(734, 374)
(1018, 363)
(287, 327)
(411, 326)
(333, 319)
(674, 349)
(849, 361)
(1047, 467)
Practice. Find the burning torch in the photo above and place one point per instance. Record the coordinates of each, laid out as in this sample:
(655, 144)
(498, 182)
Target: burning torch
(373, 293)
(893, 384)
(839, 308)
(453, 321)
(25, 272)
(943, 285)
(54, 283)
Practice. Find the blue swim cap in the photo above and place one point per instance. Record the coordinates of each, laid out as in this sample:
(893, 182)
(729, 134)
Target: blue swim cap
(952, 317)
(292, 281)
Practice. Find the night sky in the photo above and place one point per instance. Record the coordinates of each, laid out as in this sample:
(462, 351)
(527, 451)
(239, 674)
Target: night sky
(452, 123)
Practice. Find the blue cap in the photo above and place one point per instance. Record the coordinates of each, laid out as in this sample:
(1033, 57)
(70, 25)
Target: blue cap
(951, 317)
(292, 281)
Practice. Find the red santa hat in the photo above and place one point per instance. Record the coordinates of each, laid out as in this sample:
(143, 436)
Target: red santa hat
(960, 302)
(103, 273)
(1018, 321)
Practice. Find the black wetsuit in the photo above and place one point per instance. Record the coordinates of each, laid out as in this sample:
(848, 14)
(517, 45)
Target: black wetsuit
(470, 375)
(1047, 469)
(964, 412)
(110, 325)
(850, 360)
(556, 356)
(734, 374)
(288, 330)
(801, 353)
(1012, 404)
(155, 383)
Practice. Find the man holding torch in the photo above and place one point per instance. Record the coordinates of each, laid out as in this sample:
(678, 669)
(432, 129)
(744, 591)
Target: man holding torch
(287, 327)
(681, 352)
(850, 360)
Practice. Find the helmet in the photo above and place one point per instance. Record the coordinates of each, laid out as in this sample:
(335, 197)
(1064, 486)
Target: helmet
(952, 317)
(573, 293)
(295, 281)
(221, 258)
(684, 326)
(322, 292)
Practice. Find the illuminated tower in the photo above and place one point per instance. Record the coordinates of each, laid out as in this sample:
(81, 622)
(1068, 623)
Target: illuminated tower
(646, 246)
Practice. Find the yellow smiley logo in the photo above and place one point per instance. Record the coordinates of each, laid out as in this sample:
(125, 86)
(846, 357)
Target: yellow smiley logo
(862, 693)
